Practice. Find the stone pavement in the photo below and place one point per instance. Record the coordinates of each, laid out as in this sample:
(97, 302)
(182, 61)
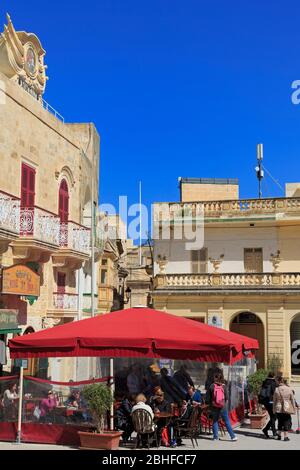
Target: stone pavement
(248, 439)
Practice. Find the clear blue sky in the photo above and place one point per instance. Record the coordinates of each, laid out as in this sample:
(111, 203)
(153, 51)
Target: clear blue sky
(175, 88)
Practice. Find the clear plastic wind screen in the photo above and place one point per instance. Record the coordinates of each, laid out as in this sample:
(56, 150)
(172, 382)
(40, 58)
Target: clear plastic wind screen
(8, 408)
(48, 402)
(133, 375)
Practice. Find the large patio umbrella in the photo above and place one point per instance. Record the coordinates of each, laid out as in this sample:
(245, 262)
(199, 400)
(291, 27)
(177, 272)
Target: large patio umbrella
(136, 332)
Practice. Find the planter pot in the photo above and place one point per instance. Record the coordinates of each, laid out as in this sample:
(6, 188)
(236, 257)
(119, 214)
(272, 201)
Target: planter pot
(108, 440)
(257, 421)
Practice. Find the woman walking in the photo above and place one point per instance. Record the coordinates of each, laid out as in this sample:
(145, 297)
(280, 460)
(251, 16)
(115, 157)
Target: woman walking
(217, 398)
(284, 406)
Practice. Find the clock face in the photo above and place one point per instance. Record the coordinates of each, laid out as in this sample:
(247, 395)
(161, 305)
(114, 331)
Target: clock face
(30, 61)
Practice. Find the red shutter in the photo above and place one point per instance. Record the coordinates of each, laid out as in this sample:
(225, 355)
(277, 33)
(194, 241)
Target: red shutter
(27, 186)
(63, 202)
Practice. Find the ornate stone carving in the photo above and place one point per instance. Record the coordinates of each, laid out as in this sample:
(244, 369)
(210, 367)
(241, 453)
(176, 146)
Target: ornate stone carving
(22, 59)
(276, 260)
(50, 322)
(216, 263)
(162, 263)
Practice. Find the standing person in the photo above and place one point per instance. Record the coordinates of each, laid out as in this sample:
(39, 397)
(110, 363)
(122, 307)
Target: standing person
(183, 378)
(173, 392)
(133, 380)
(217, 398)
(266, 399)
(284, 406)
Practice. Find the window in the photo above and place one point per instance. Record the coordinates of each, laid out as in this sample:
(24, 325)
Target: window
(253, 260)
(103, 276)
(27, 186)
(104, 262)
(63, 202)
(61, 282)
(199, 261)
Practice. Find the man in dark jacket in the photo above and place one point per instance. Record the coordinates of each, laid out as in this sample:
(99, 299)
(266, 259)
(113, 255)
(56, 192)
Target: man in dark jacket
(266, 399)
(183, 378)
(173, 391)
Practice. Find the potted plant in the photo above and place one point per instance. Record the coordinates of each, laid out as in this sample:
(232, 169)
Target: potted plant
(99, 399)
(258, 415)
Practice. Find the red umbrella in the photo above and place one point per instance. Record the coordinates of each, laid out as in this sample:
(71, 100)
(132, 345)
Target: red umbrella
(136, 332)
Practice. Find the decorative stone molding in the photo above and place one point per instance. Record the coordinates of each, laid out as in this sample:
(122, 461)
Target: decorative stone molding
(162, 263)
(22, 59)
(216, 263)
(50, 322)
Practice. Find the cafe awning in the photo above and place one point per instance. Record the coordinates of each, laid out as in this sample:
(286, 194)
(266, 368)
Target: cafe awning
(136, 332)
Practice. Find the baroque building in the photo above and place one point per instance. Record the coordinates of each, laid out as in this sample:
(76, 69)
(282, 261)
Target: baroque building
(243, 274)
(48, 189)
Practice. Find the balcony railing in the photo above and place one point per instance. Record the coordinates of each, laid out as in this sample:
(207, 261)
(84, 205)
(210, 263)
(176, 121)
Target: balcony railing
(170, 211)
(63, 301)
(75, 236)
(39, 224)
(9, 213)
(229, 280)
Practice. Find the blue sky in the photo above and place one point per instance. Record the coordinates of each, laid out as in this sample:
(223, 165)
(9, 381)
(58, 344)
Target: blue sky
(175, 88)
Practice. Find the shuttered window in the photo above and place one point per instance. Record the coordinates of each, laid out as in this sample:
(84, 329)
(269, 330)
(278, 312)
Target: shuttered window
(61, 282)
(199, 261)
(27, 186)
(253, 260)
(63, 202)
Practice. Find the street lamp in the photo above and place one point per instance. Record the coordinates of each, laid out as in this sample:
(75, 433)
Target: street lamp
(128, 295)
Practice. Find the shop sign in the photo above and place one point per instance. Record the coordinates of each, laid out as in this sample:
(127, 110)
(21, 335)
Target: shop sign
(20, 280)
(8, 319)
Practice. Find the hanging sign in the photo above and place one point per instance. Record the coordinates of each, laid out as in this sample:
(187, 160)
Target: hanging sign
(20, 280)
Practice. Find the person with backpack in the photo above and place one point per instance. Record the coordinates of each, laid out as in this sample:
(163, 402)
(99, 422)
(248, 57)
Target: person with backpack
(217, 398)
(284, 406)
(266, 399)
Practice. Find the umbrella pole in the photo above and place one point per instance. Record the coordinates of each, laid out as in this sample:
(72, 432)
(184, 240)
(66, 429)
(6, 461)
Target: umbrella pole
(19, 430)
(112, 390)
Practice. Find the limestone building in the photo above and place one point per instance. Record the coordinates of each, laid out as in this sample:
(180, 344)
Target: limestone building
(245, 276)
(46, 198)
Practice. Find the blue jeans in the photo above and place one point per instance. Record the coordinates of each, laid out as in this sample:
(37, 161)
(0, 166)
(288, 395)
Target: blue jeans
(218, 413)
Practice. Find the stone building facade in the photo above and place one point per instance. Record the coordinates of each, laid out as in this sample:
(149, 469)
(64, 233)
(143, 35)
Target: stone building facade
(245, 276)
(46, 189)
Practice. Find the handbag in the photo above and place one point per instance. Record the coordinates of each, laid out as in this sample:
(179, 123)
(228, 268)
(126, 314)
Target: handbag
(37, 413)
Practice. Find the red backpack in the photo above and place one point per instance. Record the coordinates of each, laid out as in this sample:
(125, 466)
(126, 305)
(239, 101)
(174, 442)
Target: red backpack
(218, 399)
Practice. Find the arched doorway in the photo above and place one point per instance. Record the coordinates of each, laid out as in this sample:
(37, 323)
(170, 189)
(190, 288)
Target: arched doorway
(249, 324)
(63, 211)
(295, 345)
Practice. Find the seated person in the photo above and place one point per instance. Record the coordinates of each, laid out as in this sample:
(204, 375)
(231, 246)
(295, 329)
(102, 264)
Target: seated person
(47, 405)
(194, 397)
(123, 419)
(158, 402)
(160, 405)
(141, 404)
(75, 400)
(10, 397)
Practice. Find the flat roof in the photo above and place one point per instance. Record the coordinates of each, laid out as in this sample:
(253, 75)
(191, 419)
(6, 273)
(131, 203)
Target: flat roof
(209, 180)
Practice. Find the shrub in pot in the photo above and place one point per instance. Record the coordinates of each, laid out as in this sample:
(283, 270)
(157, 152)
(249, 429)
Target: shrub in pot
(258, 415)
(99, 399)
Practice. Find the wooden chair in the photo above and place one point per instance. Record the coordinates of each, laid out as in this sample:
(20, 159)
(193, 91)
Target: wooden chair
(144, 426)
(189, 428)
